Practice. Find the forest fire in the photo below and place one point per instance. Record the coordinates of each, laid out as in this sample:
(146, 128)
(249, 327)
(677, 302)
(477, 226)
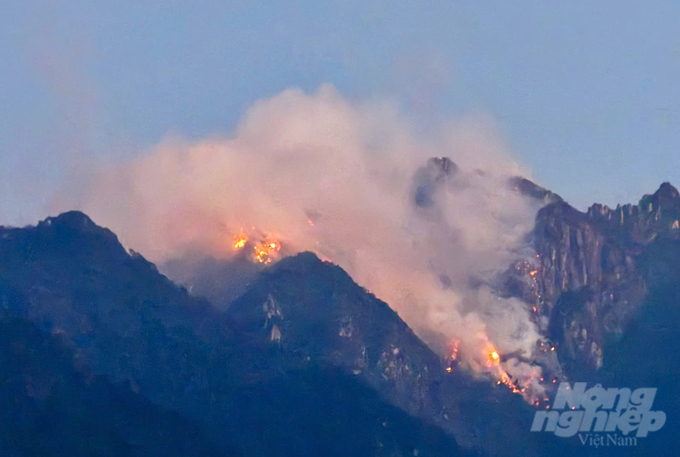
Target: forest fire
(265, 250)
(493, 357)
(453, 359)
(240, 241)
(527, 384)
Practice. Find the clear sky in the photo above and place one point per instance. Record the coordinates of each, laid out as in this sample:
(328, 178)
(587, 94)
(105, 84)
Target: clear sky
(587, 93)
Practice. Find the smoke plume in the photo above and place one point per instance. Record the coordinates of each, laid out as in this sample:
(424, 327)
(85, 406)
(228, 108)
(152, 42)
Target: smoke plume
(352, 182)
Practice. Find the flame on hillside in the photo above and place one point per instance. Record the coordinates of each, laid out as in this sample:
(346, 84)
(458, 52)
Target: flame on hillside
(265, 249)
(493, 357)
(453, 358)
(410, 230)
(527, 384)
(240, 241)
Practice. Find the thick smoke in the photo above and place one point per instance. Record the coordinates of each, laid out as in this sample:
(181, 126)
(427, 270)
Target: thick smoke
(353, 183)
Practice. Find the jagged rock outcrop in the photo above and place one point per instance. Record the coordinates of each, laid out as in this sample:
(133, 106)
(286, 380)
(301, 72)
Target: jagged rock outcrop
(428, 179)
(533, 190)
(591, 269)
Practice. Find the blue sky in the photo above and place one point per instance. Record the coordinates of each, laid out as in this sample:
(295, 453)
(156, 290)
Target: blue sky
(587, 93)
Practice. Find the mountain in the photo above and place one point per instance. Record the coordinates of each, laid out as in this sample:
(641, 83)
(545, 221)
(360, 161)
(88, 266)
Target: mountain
(531, 189)
(608, 282)
(596, 269)
(52, 408)
(306, 362)
(120, 332)
(312, 311)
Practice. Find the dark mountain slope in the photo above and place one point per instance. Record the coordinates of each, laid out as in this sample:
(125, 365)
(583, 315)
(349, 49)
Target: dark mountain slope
(50, 408)
(313, 310)
(648, 352)
(309, 311)
(117, 320)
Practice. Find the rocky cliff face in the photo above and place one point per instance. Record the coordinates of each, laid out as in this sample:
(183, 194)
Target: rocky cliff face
(610, 285)
(591, 269)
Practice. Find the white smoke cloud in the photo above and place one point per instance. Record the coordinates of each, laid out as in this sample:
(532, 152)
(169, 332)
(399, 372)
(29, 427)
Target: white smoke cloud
(351, 165)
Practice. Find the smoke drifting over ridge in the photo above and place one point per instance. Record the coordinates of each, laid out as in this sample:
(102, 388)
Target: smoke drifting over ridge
(350, 182)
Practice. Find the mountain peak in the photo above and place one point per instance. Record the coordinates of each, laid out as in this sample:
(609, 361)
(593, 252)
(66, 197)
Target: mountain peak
(667, 187)
(560, 210)
(443, 165)
(75, 220)
(664, 196)
(430, 178)
(666, 192)
(75, 230)
(304, 261)
(533, 190)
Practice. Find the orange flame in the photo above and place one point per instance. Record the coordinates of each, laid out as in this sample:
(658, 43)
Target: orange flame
(265, 249)
(517, 386)
(240, 241)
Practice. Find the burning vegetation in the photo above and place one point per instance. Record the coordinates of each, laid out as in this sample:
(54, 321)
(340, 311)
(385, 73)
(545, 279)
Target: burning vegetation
(527, 384)
(264, 249)
(240, 241)
(515, 371)
(530, 383)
